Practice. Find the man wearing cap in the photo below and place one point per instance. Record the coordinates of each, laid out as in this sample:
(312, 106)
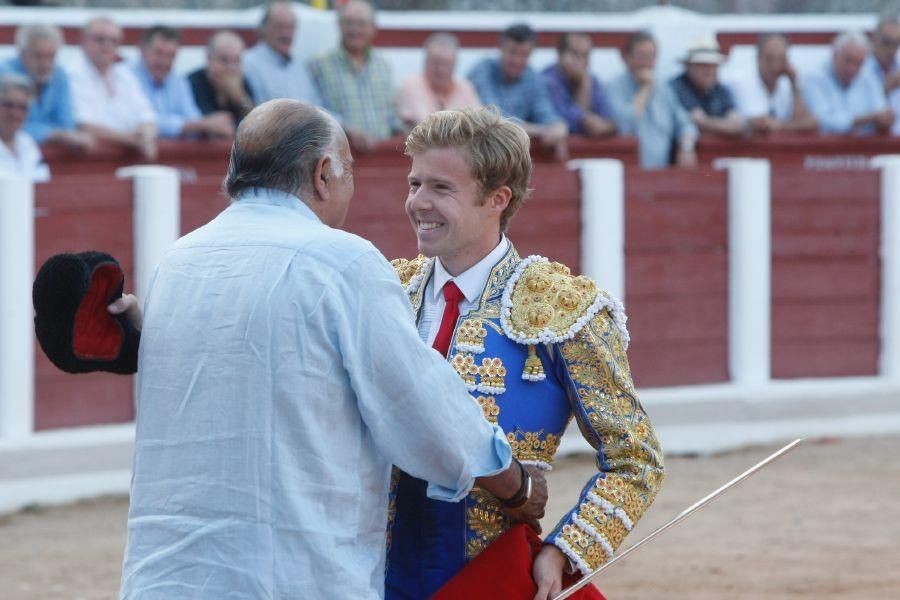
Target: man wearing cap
(710, 104)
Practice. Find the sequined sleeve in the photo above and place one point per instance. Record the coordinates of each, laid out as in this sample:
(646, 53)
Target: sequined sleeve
(629, 459)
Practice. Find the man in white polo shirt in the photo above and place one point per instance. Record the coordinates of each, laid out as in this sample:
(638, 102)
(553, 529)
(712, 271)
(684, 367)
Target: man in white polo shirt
(106, 96)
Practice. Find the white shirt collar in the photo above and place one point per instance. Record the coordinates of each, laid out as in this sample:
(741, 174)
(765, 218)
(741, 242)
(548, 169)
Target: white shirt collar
(471, 282)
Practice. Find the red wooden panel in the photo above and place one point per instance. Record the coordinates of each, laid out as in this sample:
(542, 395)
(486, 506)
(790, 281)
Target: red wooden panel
(73, 216)
(823, 358)
(201, 201)
(677, 276)
(826, 272)
(684, 363)
(823, 319)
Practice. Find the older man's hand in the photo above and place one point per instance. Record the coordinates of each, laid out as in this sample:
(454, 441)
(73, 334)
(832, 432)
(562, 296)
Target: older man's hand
(532, 511)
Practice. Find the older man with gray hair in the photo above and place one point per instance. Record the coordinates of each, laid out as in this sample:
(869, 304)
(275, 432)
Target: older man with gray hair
(281, 375)
(19, 154)
(50, 118)
(843, 96)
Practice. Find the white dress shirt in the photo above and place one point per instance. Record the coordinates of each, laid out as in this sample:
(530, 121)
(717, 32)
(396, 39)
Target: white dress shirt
(280, 376)
(24, 158)
(471, 283)
(753, 99)
(123, 110)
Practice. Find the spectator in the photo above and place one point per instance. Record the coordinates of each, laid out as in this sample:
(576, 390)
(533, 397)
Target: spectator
(106, 96)
(883, 64)
(769, 97)
(649, 110)
(355, 83)
(575, 93)
(50, 118)
(19, 153)
(270, 67)
(709, 103)
(221, 85)
(842, 96)
(170, 94)
(518, 91)
(436, 88)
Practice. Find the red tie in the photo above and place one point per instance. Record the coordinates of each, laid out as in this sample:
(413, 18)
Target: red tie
(452, 297)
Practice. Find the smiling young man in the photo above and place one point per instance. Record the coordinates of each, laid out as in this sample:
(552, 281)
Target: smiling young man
(535, 346)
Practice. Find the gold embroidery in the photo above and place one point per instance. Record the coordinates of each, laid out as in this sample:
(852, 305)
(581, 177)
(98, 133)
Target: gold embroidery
(407, 269)
(547, 296)
(470, 336)
(464, 363)
(534, 368)
(532, 446)
(490, 408)
(492, 375)
(486, 521)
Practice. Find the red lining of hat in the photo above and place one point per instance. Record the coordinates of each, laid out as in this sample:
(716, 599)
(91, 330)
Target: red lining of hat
(97, 335)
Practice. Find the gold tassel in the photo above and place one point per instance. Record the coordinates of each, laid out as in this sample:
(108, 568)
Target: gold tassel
(534, 368)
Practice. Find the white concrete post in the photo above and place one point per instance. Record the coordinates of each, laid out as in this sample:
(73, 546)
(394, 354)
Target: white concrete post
(889, 361)
(603, 222)
(749, 271)
(16, 312)
(157, 218)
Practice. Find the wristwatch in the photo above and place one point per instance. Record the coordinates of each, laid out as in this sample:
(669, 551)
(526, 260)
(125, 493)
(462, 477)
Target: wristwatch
(519, 499)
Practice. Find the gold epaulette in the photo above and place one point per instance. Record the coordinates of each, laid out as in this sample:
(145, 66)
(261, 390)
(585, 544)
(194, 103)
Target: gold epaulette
(544, 303)
(407, 269)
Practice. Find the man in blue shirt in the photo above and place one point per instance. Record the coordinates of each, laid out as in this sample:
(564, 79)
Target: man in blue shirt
(518, 91)
(170, 93)
(576, 94)
(50, 117)
(843, 96)
(710, 104)
(648, 109)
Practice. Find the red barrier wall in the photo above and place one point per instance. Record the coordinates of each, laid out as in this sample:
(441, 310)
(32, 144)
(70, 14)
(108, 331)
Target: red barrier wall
(676, 276)
(826, 273)
(90, 214)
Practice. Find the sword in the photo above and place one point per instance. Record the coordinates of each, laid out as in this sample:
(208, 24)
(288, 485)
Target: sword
(683, 515)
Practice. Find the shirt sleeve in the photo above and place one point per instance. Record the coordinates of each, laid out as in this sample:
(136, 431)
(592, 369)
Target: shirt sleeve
(599, 103)
(480, 76)
(542, 111)
(562, 102)
(623, 111)
(414, 404)
(143, 110)
(831, 117)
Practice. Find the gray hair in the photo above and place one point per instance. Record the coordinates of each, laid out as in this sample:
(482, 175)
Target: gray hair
(221, 35)
(27, 33)
(280, 151)
(14, 81)
(442, 40)
(851, 38)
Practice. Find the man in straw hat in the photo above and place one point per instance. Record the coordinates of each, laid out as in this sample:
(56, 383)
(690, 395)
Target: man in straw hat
(709, 103)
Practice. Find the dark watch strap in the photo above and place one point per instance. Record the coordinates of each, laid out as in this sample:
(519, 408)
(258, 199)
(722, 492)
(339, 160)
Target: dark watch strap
(524, 492)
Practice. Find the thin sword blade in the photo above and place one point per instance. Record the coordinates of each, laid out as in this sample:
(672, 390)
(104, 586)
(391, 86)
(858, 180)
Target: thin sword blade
(683, 515)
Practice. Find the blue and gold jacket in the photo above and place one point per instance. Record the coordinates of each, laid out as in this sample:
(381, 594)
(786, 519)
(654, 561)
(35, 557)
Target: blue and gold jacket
(539, 347)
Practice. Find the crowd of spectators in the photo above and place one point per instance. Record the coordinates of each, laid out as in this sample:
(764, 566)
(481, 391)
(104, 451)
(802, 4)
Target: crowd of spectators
(100, 98)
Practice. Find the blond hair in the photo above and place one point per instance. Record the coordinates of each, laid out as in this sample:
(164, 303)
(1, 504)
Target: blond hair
(496, 149)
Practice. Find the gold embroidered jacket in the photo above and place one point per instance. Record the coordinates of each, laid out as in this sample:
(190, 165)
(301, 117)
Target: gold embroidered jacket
(540, 347)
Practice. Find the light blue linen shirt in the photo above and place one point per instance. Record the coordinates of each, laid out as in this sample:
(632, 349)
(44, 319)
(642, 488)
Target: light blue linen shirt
(271, 75)
(280, 376)
(663, 122)
(835, 106)
(172, 100)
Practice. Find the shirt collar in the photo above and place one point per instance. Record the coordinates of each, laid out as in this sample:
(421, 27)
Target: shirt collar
(276, 198)
(276, 55)
(471, 282)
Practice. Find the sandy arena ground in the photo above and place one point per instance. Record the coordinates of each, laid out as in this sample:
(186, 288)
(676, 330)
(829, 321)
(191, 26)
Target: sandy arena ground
(824, 523)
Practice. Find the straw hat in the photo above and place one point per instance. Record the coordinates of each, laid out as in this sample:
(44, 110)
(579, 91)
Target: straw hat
(703, 50)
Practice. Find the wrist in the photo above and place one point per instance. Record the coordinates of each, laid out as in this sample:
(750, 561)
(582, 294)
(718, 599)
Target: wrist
(523, 494)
